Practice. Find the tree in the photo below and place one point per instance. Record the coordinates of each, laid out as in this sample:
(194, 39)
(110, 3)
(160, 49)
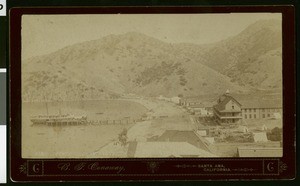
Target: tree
(275, 134)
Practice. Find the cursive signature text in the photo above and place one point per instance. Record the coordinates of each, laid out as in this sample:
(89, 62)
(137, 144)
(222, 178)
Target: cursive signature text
(94, 166)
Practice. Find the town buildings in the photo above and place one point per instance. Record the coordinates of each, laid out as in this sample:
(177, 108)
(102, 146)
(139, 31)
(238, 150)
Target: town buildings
(191, 143)
(231, 109)
(189, 101)
(198, 106)
(260, 109)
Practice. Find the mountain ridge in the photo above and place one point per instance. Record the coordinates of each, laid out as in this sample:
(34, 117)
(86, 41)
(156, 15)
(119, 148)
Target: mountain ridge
(136, 63)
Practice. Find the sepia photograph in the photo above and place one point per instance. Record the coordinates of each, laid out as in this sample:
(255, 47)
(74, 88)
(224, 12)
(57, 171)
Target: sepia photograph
(151, 85)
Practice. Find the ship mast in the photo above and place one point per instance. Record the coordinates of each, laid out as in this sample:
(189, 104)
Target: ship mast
(46, 105)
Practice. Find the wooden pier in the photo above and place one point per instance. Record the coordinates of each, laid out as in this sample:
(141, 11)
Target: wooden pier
(112, 122)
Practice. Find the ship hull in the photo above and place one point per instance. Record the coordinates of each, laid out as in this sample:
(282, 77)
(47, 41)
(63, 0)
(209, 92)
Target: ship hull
(55, 120)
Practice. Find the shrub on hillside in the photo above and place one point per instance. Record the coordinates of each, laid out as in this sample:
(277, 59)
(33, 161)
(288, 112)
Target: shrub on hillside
(275, 134)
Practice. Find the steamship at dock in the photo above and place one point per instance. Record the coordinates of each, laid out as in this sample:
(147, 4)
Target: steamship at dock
(54, 120)
(58, 119)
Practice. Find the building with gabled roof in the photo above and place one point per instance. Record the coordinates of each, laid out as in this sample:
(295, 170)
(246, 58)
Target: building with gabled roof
(228, 110)
(260, 109)
(168, 149)
(182, 136)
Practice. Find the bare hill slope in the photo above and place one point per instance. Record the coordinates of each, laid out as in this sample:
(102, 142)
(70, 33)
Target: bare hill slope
(139, 64)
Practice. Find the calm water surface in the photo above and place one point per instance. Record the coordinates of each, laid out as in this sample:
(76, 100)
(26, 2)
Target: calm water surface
(74, 141)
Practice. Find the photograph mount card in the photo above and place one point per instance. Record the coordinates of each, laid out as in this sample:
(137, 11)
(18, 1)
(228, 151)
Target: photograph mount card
(122, 96)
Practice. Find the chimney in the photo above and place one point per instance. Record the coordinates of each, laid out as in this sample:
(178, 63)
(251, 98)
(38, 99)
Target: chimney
(227, 92)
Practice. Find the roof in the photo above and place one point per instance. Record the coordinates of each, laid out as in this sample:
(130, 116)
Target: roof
(192, 100)
(259, 152)
(199, 101)
(225, 99)
(208, 103)
(262, 104)
(260, 136)
(197, 106)
(182, 136)
(206, 98)
(169, 149)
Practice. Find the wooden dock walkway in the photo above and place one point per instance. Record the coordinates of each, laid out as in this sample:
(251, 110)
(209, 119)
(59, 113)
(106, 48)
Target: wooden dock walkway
(112, 122)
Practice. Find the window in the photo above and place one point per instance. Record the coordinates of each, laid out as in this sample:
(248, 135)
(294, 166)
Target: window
(250, 110)
(254, 110)
(268, 115)
(232, 114)
(232, 106)
(254, 115)
(250, 116)
(245, 110)
(263, 116)
(245, 116)
(263, 109)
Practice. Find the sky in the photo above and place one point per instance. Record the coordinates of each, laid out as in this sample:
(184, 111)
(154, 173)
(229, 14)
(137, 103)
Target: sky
(43, 34)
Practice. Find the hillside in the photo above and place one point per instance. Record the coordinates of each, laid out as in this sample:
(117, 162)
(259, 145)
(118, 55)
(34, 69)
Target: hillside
(253, 57)
(115, 65)
(139, 64)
